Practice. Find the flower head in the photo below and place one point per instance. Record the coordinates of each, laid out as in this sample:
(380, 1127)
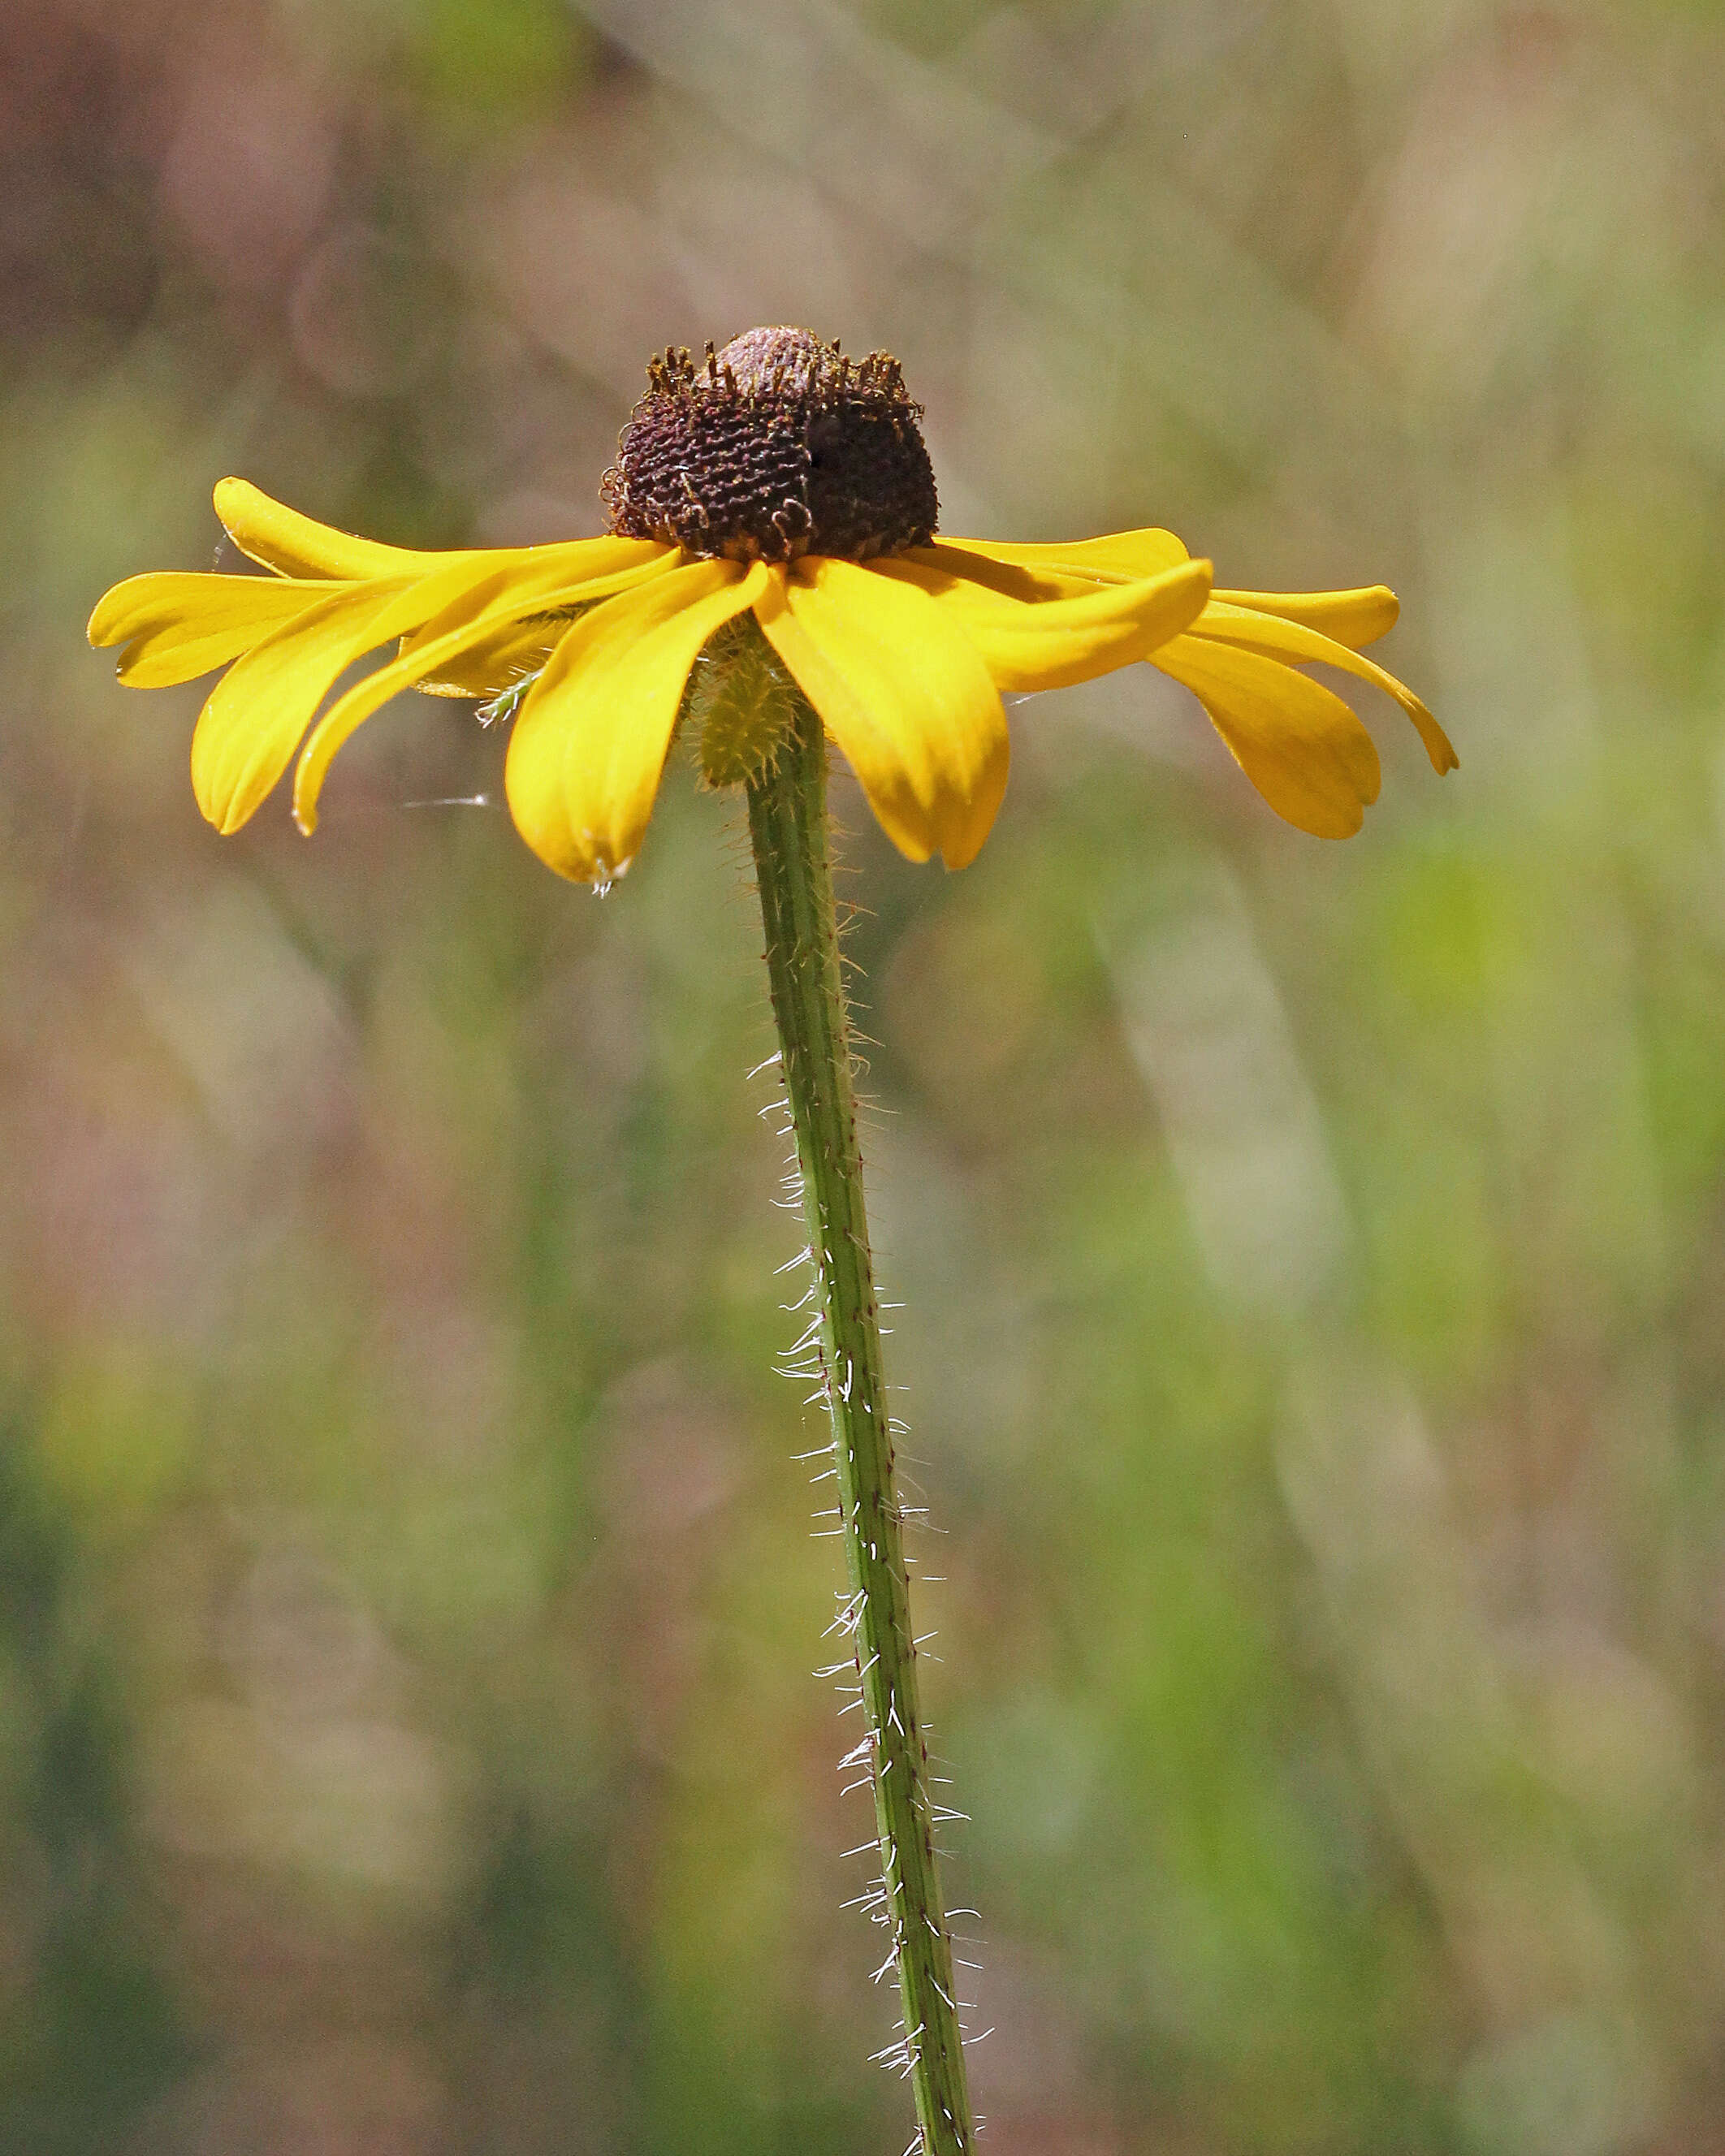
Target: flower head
(784, 488)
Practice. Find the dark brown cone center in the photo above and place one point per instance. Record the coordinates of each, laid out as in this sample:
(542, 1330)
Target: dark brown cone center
(776, 447)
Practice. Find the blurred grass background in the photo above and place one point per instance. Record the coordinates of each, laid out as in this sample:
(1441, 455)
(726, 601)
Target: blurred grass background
(1314, 1256)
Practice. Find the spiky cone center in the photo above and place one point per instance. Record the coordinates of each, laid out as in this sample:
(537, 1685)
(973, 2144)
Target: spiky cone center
(776, 447)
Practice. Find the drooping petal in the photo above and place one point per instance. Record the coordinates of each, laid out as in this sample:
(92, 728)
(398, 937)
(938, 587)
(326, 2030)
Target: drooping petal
(500, 659)
(253, 722)
(251, 726)
(590, 743)
(492, 660)
(178, 624)
(1054, 643)
(1298, 742)
(451, 628)
(1352, 618)
(474, 600)
(1047, 569)
(1254, 630)
(905, 693)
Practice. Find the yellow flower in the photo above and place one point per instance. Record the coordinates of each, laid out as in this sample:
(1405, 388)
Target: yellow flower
(810, 508)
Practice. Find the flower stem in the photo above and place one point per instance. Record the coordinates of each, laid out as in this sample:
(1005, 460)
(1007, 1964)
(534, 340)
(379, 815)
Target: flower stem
(787, 825)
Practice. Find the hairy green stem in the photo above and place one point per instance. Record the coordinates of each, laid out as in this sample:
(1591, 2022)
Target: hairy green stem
(787, 825)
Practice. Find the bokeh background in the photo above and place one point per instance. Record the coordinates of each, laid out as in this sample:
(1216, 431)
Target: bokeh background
(1313, 1256)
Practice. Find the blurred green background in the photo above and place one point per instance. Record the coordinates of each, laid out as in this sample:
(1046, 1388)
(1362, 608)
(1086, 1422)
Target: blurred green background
(1314, 1256)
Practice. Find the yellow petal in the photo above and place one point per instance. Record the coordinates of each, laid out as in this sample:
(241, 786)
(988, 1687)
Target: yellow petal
(570, 579)
(1352, 618)
(450, 628)
(500, 659)
(1230, 622)
(905, 693)
(176, 625)
(472, 600)
(1054, 643)
(1299, 744)
(1044, 569)
(585, 758)
(297, 546)
(252, 724)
